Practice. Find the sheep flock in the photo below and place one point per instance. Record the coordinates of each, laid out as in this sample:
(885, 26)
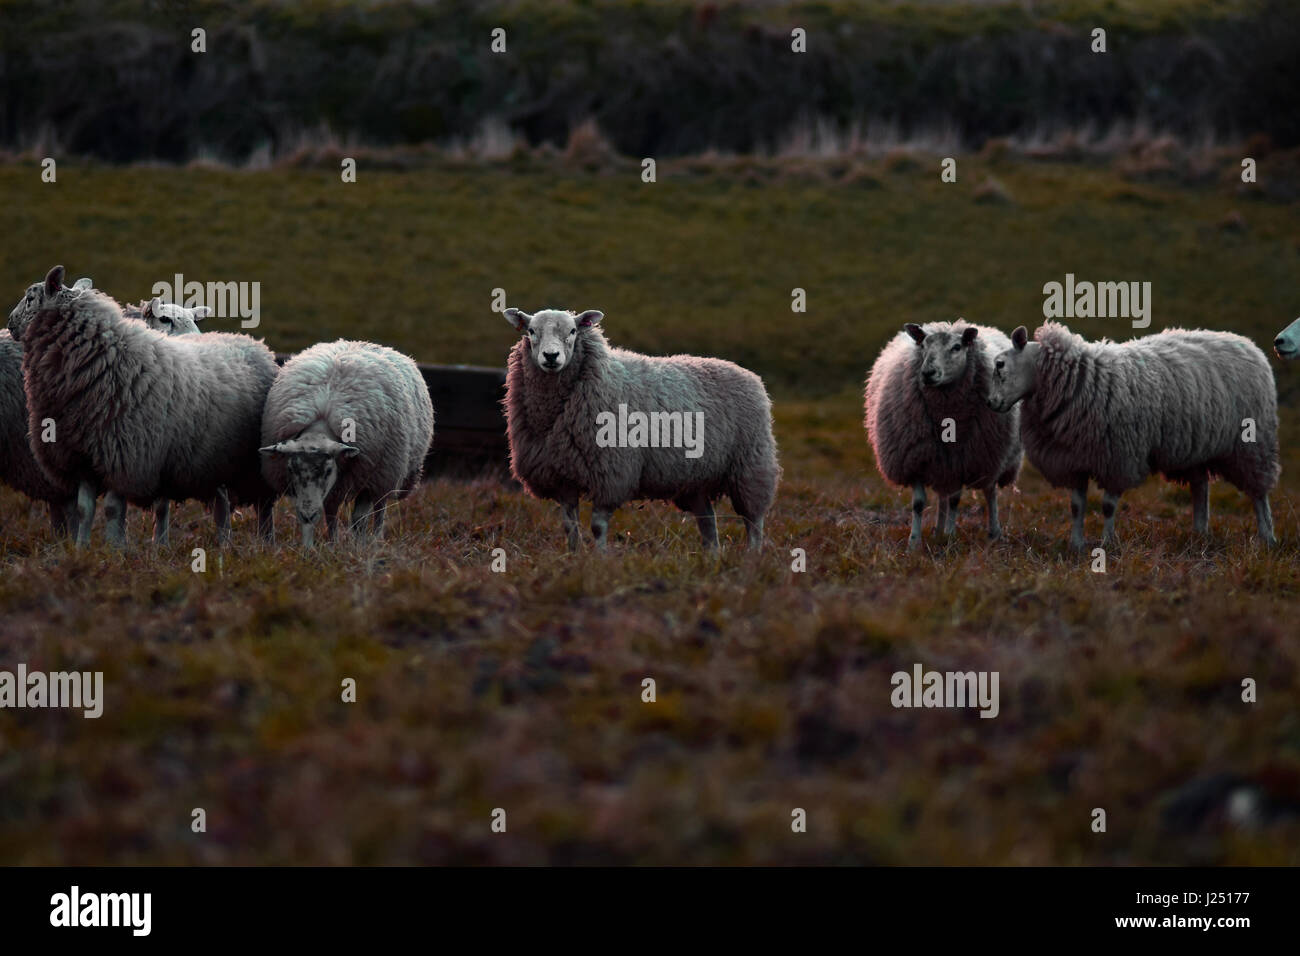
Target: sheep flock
(133, 403)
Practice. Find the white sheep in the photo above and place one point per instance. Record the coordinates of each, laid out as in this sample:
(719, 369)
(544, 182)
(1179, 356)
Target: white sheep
(1185, 404)
(346, 421)
(569, 397)
(142, 414)
(929, 424)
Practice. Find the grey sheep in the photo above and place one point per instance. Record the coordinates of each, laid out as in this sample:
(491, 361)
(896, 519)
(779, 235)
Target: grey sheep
(346, 421)
(929, 424)
(1184, 404)
(569, 397)
(142, 414)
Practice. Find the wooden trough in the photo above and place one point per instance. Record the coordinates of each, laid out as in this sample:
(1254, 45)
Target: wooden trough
(469, 424)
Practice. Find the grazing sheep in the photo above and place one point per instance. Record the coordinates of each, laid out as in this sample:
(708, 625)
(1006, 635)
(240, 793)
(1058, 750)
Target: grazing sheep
(1186, 404)
(346, 421)
(140, 413)
(565, 388)
(929, 424)
(18, 466)
(1287, 343)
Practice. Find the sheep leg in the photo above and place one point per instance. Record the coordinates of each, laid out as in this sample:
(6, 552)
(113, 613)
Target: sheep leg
(753, 532)
(950, 527)
(708, 524)
(991, 506)
(58, 518)
(162, 512)
(569, 518)
(331, 521)
(115, 519)
(1078, 504)
(600, 525)
(221, 514)
(918, 506)
(361, 510)
(1264, 519)
(377, 522)
(86, 495)
(1201, 504)
(266, 519)
(1109, 506)
(69, 509)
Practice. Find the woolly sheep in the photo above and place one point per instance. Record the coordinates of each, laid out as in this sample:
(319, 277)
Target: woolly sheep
(563, 380)
(930, 384)
(18, 466)
(1287, 343)
(140, 413)
(1176, 403)
(346, 421)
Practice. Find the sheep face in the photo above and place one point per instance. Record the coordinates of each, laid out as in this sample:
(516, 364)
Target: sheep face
(552, 334)
(1015, 372)
(311, 468)
(173, 319)
(943, 355)
(1287, 344)
(40, 295)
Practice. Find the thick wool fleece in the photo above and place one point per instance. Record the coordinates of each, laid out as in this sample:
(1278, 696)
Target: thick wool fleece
(143, 414)
(904, 419)
(18, 466)
(552, 428)
(1171, 403)
(384, 395)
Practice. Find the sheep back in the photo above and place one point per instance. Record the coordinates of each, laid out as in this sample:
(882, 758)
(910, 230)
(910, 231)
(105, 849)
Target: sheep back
(1171, 403)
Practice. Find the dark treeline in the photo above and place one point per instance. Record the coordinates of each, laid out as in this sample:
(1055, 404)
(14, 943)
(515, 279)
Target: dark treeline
(119, 81)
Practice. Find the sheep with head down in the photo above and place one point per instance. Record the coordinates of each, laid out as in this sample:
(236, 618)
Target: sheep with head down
(346, 421)
(1185, 404)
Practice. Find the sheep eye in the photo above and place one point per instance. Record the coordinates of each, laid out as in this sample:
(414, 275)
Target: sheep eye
(956, 348)
(1001, 364)
(573, 331)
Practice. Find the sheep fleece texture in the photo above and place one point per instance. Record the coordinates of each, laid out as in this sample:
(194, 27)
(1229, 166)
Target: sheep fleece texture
(18, 466)
(904, 420)
(1171, 403)
(552, 428)
(141, 413)
(380, 390)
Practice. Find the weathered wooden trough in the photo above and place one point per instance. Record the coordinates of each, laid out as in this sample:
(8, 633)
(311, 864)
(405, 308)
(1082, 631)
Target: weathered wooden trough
(469, 429)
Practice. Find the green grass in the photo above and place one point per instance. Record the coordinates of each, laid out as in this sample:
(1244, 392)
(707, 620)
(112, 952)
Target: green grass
(522, 690)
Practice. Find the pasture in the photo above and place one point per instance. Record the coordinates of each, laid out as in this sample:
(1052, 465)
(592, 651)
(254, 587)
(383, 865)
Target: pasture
(479, 689)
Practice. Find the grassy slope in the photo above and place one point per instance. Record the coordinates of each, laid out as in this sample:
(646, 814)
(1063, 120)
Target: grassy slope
(522, 690)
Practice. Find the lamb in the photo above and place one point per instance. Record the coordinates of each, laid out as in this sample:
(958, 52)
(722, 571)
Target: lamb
(1287, 343)
(565, 387)
(929, 425)
(346, 421)
(18, 466)
(1185, 404)
(140, 413)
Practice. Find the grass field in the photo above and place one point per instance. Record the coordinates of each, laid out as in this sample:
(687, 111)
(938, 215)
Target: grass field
(522, 690)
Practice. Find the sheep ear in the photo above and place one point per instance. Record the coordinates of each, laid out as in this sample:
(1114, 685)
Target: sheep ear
(271, 449)
(54, 280)
(968, 335)
(518, 318)
(349, 451)
(915, 331)
(83, 283)
(589, 318)
(201, 312)
(151, 307)
(1019, 338)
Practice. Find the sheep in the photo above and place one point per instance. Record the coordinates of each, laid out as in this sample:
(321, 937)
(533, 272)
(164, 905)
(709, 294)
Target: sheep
(1287, 343)
(929, 426)
(140, 413)
(346, 421)
(1185, 404)
(18, 466)
(565, 389)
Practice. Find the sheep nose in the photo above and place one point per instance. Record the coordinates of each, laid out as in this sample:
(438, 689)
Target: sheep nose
(1279, 342)
(930, 375)
(551, 357)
